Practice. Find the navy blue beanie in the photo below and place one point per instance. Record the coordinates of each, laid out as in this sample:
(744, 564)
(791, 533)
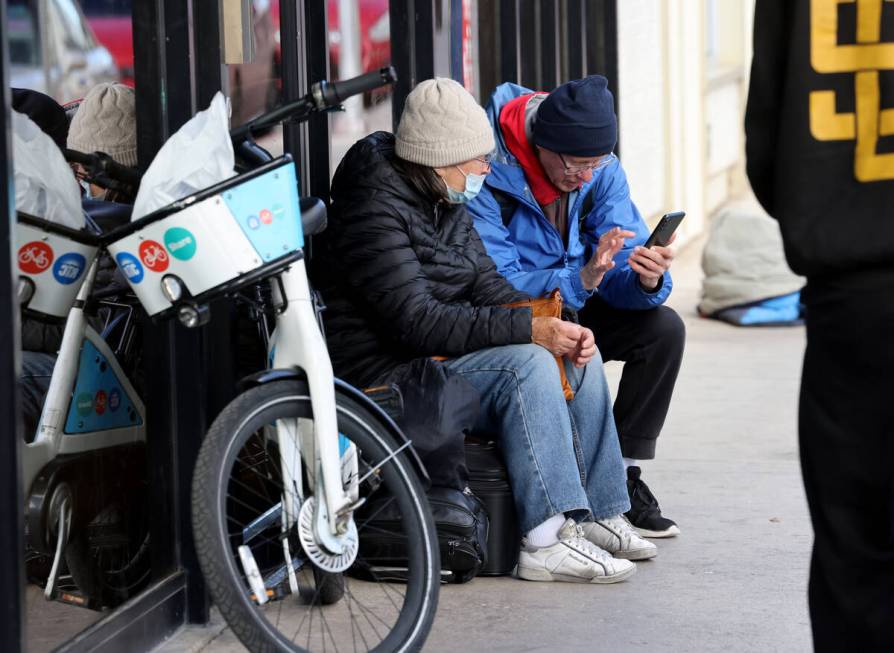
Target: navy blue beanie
(578, 118)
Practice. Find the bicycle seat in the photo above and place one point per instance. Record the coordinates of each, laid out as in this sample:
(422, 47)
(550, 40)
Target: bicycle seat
(107, 215)
(313, 215)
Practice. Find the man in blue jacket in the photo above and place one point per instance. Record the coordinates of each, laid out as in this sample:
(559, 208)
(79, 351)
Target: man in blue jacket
(554, 190)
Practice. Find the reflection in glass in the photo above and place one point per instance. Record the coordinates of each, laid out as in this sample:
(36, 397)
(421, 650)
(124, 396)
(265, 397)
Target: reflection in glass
(359, 41)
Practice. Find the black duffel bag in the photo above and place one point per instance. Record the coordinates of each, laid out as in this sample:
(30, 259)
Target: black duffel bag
(460, 520)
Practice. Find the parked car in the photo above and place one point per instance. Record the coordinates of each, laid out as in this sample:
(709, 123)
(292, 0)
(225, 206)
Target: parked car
(253, 87)
(111, 22)
(53, 49)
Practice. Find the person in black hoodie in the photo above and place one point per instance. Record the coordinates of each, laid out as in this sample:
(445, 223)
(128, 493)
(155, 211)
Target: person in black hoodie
(406, 277)
(820, 157)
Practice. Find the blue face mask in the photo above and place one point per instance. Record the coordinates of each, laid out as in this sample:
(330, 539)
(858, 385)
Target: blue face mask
(473, 187)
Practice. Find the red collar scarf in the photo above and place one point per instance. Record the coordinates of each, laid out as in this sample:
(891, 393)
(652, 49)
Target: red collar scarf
(512, 125)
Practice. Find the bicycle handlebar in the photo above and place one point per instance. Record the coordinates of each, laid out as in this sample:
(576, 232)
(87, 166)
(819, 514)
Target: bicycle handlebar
(105, 171)
(323, 96)
(329, 94)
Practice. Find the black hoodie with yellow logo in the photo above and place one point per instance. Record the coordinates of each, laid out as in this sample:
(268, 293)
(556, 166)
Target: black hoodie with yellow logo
(820, 132)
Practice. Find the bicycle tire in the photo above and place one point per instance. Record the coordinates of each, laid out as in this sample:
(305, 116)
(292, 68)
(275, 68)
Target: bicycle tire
(101, 584)
(234, 454)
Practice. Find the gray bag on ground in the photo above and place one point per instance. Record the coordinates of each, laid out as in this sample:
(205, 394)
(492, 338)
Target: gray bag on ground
(744, 262)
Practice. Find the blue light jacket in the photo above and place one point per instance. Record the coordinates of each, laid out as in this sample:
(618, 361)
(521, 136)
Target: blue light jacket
(529, 250)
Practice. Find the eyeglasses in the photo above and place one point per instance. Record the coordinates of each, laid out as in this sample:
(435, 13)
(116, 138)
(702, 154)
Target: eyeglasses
(487, 159)
(594, 167)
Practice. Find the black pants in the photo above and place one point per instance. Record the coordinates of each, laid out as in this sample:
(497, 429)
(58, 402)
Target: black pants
(846, 426)
(650, 343)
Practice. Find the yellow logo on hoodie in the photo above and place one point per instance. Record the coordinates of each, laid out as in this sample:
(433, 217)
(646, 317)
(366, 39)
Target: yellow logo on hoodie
(865, 59)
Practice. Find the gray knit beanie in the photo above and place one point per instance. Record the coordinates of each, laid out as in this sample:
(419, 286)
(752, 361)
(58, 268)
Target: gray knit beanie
(442, 125)
(106, 121)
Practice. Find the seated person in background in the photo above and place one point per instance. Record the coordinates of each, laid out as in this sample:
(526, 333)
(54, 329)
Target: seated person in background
(405, 277)
(40, 340)
(44, 111)
(555, 190)
(106, 121)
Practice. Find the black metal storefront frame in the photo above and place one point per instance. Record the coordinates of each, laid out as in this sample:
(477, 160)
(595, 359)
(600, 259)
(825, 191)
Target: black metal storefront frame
(543, 43)
(12, 545)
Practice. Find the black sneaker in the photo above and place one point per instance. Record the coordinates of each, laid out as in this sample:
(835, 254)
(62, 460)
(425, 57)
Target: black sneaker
(644, 514)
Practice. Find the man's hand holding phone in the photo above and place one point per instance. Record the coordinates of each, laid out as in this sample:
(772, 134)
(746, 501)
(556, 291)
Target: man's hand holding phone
(652, 260)
(650, 263)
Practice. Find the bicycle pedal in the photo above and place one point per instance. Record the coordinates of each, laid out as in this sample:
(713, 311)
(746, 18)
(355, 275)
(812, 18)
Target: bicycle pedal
(73, 598)
(272, 595)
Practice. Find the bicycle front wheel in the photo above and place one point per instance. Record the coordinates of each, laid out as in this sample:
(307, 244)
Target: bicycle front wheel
(242, 538)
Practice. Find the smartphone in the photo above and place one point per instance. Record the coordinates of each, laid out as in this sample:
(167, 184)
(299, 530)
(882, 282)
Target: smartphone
(665, 229)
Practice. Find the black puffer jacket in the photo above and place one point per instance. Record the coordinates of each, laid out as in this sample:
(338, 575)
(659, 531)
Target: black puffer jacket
(402, 277)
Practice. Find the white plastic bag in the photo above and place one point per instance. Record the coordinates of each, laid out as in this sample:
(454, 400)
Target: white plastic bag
(198, 155)
(45, 184)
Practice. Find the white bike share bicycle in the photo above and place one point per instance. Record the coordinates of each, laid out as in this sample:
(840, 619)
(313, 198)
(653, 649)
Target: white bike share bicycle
(285, 466)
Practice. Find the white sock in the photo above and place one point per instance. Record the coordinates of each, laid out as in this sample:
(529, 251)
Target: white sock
(547, 533)
(630, 462)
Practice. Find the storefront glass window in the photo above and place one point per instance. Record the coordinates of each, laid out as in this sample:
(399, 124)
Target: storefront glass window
(86, 499)
(359, 41)
(256, 87)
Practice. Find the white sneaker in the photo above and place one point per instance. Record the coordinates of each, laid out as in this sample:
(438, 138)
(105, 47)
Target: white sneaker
(572, 559)
(617, 536)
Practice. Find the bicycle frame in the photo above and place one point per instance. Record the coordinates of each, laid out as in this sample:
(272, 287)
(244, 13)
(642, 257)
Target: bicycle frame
(52, 438)
(298, 342)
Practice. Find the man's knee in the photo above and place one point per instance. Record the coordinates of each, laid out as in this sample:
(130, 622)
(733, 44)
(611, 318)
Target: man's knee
(666, 328)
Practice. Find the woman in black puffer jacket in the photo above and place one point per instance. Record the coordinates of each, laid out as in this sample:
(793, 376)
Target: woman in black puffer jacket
(406, 277)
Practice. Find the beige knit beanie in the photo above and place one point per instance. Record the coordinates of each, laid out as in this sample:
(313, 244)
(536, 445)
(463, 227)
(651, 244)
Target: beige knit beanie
(106, 121)
(442, 125)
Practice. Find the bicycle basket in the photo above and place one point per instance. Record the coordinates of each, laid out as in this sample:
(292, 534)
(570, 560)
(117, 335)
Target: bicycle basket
(52, 260)
(216, 241)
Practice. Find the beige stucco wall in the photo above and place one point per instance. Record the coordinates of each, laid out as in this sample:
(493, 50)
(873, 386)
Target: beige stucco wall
(683, 68)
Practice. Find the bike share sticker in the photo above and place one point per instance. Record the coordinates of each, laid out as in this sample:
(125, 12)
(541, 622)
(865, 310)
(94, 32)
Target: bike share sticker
(84, 404)
(131, 267)
(35, 257)
(268, 211)
(114, 399)
(100, 402)
(69, 267)
(180, 243)
(154, 256)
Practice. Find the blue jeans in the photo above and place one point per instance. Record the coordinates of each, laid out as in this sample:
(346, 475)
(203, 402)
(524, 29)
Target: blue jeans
(37, 370)
(562, 457)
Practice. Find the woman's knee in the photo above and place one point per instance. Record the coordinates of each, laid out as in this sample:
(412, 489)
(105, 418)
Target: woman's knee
(535, 369)
(537, 358)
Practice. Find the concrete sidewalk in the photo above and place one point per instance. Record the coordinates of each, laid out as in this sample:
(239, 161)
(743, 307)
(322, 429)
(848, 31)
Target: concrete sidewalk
(727, 472)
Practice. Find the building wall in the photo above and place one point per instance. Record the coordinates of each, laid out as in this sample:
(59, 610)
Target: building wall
(682, 87)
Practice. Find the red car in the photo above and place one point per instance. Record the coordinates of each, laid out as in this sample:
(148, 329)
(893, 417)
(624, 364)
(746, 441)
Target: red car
(375, 34)
(111, 22)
